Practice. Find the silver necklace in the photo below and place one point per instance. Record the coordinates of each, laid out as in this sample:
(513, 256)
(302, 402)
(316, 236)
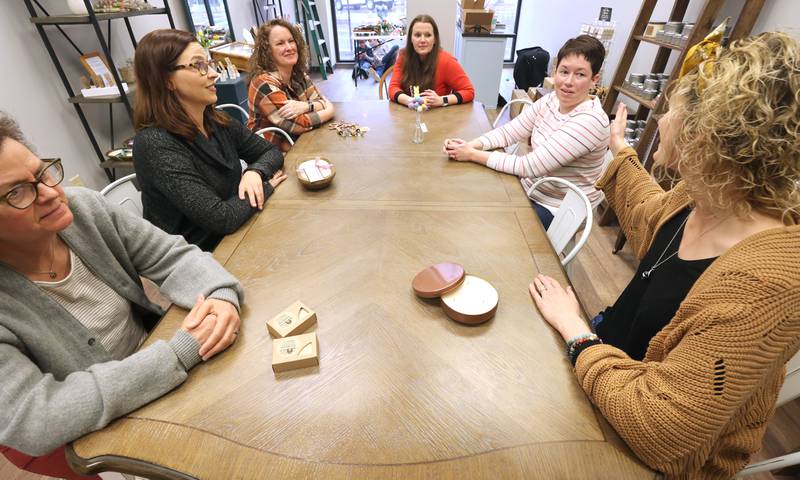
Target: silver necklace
(646, 274)
(50, 272)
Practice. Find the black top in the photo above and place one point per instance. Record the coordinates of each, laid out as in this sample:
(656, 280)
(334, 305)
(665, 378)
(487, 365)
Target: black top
(647, 305)
(192, 188)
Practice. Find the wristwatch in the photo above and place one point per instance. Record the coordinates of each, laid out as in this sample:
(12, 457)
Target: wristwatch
(445, 101)
(310, 106)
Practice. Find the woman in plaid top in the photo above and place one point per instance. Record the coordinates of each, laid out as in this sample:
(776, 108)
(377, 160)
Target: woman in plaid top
(281, 93)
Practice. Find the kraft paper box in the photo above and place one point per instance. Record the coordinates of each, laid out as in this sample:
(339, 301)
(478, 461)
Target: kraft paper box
(294, 319)
(299, 351)
(470, 18)
(472, 4)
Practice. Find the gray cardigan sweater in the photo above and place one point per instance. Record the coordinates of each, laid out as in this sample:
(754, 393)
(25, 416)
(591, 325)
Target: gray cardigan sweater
(56, 382)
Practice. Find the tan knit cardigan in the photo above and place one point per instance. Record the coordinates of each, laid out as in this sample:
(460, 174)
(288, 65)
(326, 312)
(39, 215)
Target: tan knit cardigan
(698, 405)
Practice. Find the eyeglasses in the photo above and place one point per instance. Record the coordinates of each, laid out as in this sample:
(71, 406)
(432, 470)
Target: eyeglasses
(23, 195)
(200, 66)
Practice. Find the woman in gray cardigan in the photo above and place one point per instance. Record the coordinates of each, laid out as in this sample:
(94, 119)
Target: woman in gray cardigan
(72, 308)
(186, 153)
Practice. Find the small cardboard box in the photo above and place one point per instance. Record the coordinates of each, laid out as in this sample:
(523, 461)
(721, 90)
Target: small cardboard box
(515, 108)
(534, 94)
(296, 318)
(472, 4)
(548, 83)
(299, 351)
(470, 18)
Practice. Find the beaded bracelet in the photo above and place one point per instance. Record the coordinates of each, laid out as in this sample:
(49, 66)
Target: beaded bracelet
(578, 338)
(580, 346)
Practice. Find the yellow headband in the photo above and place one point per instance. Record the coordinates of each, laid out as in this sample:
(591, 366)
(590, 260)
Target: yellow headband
(704, 52)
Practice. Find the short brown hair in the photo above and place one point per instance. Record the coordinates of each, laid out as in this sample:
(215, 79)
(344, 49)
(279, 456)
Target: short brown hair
(10, 129)
(261, 61)
(587, 47)
(156, 104)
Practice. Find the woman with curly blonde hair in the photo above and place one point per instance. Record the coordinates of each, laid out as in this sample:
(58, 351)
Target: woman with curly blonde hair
(688, 362)
(281, 93)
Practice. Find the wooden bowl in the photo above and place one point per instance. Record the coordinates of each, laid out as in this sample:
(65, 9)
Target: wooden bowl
(327, 173)
(472, 302)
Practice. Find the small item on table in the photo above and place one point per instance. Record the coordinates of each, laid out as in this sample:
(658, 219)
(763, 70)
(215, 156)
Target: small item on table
(465, 298)
(296, 318)
(299, 351)
(316, 173)
(348, 129)
(121, 154)
(417, 103)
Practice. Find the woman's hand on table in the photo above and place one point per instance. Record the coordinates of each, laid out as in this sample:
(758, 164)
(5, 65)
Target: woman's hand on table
(432, 99)
(458, 149)
(559, 306)
(292, 109)
(617, 141)
(277, 179)
(214, 324)
(251, 187)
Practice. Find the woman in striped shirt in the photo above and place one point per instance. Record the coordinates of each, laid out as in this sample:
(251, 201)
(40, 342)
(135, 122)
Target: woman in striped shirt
(281, 93)
(567, 128)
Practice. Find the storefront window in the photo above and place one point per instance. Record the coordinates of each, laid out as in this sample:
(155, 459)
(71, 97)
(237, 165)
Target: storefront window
(506, 12)
(350, 14)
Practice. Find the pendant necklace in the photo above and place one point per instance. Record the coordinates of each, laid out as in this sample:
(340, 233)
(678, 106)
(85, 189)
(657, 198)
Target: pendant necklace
(646, 274)
(50, 272)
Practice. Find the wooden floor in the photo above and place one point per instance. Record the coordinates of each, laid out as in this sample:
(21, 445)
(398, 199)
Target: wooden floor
(598, 278)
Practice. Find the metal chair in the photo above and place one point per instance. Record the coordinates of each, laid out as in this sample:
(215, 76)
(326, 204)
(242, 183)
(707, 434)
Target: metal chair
(574, 210)
(526, 102)
(789, 391)
(276, 130)
(124, 192)
(235, 107)
(383, 84)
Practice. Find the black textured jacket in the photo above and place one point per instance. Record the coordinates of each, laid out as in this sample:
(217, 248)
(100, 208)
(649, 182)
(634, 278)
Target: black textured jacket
(192, 188)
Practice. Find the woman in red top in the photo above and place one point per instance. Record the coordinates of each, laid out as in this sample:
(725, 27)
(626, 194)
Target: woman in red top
(423, 63)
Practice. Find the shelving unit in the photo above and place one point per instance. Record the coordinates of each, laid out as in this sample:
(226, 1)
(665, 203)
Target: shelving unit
(40, 17)
(314, 35)
(652, 110)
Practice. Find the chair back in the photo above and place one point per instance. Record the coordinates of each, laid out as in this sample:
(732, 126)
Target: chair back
(575, 210)
(791, 385)
(526, 103)
(124, 192)
(276, 130)
(242, 111)
(383, 84)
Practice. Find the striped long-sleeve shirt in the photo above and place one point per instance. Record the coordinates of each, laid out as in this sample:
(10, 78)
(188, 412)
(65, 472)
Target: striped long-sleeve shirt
(571, 146)
(267, 94)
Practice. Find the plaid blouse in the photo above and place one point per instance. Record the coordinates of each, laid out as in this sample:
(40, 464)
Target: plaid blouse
(267, 94)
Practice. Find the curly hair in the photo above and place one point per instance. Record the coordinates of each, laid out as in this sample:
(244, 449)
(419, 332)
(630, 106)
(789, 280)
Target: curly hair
(262, 61)
(740, 136)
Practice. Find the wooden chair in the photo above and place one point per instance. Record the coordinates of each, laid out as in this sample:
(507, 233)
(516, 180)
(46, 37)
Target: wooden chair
(383, 84)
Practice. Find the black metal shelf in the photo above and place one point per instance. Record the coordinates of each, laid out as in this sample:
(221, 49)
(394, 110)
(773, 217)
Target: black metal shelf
(41, 19)
(103, 99)
(87, 19)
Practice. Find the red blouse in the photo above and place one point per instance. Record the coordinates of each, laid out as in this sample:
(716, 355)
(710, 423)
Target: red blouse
(450, 79)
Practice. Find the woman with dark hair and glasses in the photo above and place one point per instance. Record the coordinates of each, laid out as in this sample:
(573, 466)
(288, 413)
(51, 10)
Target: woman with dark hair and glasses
(73, 312)
(186, 153)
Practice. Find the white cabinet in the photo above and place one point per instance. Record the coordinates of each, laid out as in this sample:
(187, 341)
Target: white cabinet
(481, 56)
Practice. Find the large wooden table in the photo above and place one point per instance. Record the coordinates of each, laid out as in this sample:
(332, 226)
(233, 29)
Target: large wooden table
(401, 391)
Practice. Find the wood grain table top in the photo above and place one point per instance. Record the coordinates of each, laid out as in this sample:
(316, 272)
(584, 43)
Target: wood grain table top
(401, 391)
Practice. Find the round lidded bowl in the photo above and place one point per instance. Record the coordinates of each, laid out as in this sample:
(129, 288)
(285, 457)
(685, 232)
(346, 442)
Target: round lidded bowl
(437, 280)
(316, 173)
(473, 302)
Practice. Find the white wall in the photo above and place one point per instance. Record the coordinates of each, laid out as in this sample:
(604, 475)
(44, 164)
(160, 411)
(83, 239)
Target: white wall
(32, 92)
(443, 11)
